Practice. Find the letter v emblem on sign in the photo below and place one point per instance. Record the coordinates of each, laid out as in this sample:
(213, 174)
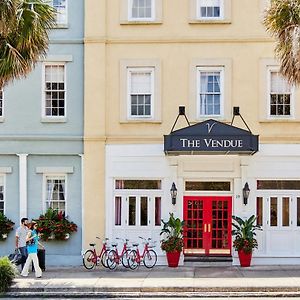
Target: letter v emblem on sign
(210, 126)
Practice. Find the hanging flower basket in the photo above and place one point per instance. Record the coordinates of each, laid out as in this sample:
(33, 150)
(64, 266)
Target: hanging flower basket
(6, 226)
(54, 225)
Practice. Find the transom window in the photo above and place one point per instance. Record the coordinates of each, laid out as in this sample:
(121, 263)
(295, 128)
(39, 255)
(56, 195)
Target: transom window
(55, 91)
(61, 11)
(141, 9)
(56, 192)
(280, 95)
(140, 85)
(1, 102)
(2, 200)
(207, 186)
(210, 9)
(210, 92)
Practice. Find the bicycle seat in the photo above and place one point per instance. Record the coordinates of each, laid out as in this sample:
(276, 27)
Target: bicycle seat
(114, 245)
(135, 245)
(92, 245)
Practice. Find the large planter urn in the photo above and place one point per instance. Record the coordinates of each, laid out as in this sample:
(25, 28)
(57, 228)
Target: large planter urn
(245, 258)
(173, 259)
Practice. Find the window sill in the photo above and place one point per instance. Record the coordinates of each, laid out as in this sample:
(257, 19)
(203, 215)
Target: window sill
(133, 121)
(53, 120)
(61, 26)
(155, 22)
(197, 21)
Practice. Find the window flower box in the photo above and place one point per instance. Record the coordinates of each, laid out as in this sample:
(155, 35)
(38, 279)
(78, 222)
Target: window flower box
(54, 225)
(6, 226)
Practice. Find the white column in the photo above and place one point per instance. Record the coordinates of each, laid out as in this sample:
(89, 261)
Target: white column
(82, 201)
(23, 184)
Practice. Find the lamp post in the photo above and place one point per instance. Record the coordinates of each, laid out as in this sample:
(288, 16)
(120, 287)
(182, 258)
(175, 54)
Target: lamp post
(246, 192)
(173, 192)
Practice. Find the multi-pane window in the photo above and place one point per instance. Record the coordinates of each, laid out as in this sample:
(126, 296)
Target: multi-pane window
(61, 11)
(1, 102)
(280, 95)
(140, 86)
(2, 200)
(56, 193)
(55, 90)
(137, 203)
(210, 9)
(210, 92)
(141, 9)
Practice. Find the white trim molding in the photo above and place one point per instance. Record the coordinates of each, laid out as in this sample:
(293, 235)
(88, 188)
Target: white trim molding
(54, 170)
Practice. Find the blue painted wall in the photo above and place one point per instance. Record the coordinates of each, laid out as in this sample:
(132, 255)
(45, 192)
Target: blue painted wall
(47, 144)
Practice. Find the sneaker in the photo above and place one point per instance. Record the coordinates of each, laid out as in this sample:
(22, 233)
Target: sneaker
(23, 275)
(39, 277)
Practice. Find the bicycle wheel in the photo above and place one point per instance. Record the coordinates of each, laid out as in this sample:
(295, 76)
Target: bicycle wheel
(150, 259)
(89, 259)
(104, 258)
(112, 259)
(133, 260)
(125, 258)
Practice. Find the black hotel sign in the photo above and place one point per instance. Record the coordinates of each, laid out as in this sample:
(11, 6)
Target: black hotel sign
(208, 137)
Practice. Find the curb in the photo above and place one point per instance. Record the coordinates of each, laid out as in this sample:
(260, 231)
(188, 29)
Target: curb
(169, 292)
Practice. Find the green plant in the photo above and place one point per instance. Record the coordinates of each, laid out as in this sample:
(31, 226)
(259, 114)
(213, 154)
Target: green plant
(8, 272)
(173, 234)
(54, 224)
(244, 233)
(6, 225)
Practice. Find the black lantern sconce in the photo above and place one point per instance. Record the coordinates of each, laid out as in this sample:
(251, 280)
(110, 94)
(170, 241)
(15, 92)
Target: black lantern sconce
(173, 192)
(246, 192)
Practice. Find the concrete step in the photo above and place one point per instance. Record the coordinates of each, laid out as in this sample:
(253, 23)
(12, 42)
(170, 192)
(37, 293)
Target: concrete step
(207, 261)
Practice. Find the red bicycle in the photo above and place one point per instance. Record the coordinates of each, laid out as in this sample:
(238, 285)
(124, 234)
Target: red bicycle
(114, 258)
(91, 259)
(149, 256)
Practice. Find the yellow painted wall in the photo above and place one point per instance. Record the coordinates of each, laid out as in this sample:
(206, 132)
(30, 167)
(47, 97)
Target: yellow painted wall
(176, 42)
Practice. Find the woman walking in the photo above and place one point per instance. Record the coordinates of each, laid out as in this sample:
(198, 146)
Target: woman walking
(32, 241)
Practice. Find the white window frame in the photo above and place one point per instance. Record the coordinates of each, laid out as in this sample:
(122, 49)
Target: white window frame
(292, 97)
(66, 17)
(201, 69)
(198, 13)
(55, 176)
(131, 18)
(150, 70)
(44, 116)
(124, 194)
(4, 192)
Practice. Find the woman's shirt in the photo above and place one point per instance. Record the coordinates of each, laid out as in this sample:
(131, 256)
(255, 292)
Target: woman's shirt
(33, 247)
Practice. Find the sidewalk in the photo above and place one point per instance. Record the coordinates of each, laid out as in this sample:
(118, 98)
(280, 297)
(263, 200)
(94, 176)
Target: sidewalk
(162, 281)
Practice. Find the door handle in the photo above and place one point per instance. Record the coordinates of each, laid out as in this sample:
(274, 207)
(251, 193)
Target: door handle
(208, 227)
(205, 227)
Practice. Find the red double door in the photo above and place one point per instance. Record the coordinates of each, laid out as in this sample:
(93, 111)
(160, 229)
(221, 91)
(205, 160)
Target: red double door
(207, 225)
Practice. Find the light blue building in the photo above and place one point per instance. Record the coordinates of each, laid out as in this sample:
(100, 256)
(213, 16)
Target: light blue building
(41, 137)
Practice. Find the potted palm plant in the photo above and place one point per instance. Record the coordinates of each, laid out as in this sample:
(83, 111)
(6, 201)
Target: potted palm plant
(245, 241)
(172, 243)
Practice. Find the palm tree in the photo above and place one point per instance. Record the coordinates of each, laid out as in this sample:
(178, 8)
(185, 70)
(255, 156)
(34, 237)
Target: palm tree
(24, 26)
(282, 20)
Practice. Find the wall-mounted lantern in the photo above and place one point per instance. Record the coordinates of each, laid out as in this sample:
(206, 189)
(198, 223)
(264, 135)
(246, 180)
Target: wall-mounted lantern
(246, 192)
(173, 192)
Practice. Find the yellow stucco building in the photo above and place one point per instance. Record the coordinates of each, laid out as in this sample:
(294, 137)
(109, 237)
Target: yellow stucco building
(144, 59)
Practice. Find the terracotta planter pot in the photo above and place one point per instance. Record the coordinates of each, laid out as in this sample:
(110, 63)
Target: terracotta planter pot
(245, 258)
(173, 259)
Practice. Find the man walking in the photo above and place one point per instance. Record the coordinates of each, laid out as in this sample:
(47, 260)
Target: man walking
(21, 234)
